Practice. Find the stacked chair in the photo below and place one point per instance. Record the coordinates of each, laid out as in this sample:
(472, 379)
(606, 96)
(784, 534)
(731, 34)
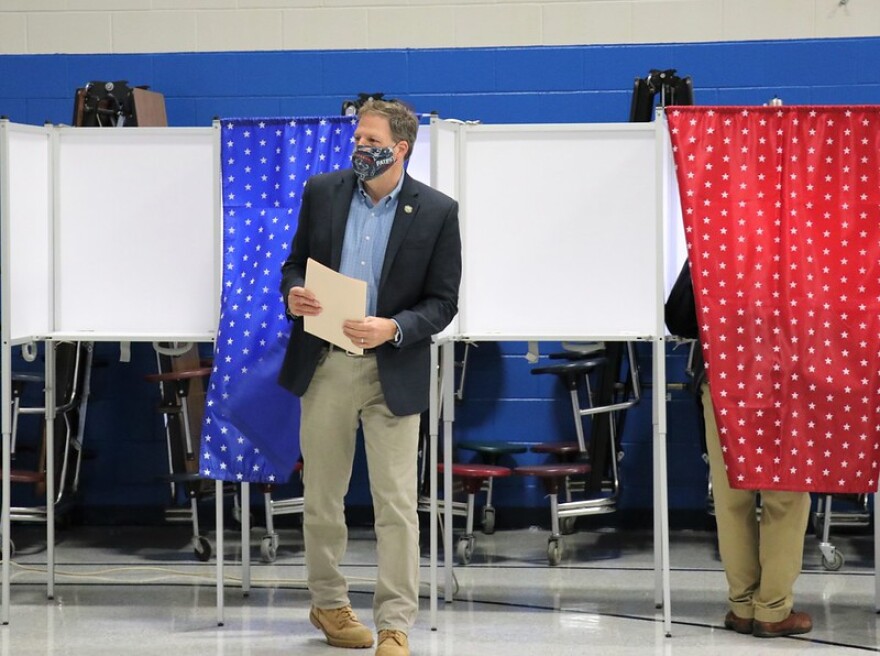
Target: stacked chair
(180, 376)
(73, 364)
(588, 467)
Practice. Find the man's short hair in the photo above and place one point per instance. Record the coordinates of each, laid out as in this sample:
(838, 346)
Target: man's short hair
(403, 122)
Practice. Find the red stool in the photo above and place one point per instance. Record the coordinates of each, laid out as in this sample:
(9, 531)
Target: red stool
(491, 454)
(553, 477)
(564, 452)
(472, 477)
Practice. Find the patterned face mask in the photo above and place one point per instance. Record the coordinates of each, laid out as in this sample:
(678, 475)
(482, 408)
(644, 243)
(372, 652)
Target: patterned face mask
(369, 162)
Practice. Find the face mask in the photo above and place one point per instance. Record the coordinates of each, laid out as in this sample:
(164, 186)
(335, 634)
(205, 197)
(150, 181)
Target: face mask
(369, 163)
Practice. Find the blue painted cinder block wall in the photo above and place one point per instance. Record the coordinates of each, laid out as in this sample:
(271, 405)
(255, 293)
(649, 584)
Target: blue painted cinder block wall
(494, 85)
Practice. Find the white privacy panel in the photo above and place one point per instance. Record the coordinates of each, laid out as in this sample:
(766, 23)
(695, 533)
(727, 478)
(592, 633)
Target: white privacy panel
(137, 232)
(419, 164)
(445, 175)
(26, 194)
(445, 155)
(560, 230)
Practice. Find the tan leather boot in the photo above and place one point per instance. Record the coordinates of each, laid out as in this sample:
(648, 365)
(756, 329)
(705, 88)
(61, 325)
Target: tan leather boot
(342, 627)
(392, 643)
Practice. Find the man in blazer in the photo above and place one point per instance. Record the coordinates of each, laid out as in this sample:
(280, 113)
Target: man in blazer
(374, 223)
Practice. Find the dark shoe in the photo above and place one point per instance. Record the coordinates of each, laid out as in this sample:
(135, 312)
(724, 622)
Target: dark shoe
(341, 627)
(736, 623)
(794, 624)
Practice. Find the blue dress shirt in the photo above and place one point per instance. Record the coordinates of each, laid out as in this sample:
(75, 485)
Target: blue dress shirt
(366, 239)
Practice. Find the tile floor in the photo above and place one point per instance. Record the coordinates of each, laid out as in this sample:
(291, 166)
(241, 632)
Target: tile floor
(139, 591)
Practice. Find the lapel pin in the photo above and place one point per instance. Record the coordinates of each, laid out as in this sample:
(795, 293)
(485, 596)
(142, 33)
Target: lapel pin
(407, 209)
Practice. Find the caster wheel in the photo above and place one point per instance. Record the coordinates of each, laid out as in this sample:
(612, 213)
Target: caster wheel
(834, 563)
(566, 525)
(554, 552)
(488, 521)
(465, 550)
(269, 548)
(202, 548)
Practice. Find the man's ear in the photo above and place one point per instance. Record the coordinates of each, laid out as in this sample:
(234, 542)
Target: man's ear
(404, 148)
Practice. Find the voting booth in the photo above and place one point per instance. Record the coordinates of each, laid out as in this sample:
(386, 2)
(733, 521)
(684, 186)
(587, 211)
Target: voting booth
(106, 235)
(549, 215)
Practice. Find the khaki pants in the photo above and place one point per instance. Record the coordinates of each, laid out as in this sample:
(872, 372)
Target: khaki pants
(343, 391)
(762, 559)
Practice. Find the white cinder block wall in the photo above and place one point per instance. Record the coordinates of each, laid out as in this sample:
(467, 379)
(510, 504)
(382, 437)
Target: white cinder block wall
(126, 26)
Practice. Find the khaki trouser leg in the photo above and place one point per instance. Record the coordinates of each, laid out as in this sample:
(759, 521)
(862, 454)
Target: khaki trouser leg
(392, 455)
(328, 429)
(784, 517)
(761, 560)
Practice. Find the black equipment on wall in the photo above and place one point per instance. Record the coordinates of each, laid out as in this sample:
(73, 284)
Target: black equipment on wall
(671, 89)
(116, 104)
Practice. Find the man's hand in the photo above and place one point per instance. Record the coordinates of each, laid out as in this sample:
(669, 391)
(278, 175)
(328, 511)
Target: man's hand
(302, 303)
(371, 332)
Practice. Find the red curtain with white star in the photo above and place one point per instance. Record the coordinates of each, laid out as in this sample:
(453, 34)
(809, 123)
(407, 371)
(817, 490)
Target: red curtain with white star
(781, 209)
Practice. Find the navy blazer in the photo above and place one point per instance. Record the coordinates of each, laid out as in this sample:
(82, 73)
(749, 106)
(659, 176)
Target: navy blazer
(418, 286)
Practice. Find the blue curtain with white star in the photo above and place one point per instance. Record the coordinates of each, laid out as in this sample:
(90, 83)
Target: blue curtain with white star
(251, 426)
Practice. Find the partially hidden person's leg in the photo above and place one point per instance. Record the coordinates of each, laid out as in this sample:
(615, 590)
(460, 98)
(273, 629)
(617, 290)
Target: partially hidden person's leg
(736, 518)
(784, 518)
(328, 429)
(392, 458)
